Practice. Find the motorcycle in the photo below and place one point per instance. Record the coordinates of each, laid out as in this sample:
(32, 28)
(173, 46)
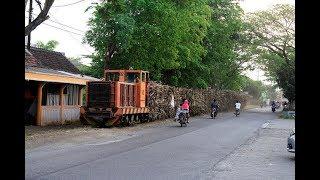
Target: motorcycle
(213, 113)
(183, 117)
(273, 108)
(237, 113)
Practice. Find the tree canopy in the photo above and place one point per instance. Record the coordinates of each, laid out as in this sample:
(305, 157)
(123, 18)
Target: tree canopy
(187, 43)
(272, 36)
(50, 45)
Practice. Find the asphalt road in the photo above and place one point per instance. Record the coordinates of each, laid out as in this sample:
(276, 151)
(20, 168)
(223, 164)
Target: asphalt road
(170, 152)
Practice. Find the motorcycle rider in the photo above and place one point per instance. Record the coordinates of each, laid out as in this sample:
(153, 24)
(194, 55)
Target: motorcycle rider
(214, 105)
(184, 107)
(273, 106)
(237, 106)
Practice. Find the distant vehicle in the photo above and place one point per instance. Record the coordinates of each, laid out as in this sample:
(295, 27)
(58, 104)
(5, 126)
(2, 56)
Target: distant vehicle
(291, 142)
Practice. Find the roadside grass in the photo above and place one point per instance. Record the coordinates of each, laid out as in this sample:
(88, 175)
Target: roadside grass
(285, 115)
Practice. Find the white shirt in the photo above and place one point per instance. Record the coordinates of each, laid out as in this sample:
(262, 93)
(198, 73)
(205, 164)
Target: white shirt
(238, 105)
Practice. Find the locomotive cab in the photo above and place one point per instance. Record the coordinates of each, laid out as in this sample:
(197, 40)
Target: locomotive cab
(129, 76)
(122, 96)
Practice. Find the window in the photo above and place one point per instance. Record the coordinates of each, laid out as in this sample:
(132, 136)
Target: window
(112, 77)
(71, 95)
(51, 94)
(132, 77)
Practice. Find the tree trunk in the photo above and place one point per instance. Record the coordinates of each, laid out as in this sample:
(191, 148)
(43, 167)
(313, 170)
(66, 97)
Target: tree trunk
(40, 18)
(110, 50)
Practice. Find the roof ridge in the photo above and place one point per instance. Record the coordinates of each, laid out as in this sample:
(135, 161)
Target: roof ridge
(42, 49)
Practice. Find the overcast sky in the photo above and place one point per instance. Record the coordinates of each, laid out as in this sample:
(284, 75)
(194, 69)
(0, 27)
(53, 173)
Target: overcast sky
(70, 15)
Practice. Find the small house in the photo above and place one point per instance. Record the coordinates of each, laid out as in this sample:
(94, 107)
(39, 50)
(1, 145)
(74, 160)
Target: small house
(53, 88)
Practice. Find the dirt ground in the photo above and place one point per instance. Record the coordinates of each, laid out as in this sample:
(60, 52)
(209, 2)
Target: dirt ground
(36, 136)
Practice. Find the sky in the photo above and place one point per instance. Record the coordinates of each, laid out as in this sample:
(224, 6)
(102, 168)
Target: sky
(68, 22)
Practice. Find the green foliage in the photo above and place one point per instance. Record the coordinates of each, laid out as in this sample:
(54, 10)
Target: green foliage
(272, 36)
(50, 45)
(84, 69)
(188, 43)
(254, 88)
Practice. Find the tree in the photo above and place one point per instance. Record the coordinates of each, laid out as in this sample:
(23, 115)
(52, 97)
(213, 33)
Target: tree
(273, 44)
(42, 16)
(84, 69)
(224, 60)
(164, 37)
(254, 88)
(186, 43)
(50, 45)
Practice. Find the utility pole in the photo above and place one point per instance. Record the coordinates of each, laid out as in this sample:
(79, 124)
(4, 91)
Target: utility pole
(30, 19)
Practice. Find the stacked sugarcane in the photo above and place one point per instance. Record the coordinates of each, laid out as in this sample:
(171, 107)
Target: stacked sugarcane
(163, 100)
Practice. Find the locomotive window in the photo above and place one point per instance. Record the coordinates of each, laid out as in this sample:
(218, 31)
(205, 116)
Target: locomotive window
(112, 76)
(132, 77)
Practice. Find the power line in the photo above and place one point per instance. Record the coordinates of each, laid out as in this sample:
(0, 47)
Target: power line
(56, 21)
(72, 35)
(68, 4)
(62, 29)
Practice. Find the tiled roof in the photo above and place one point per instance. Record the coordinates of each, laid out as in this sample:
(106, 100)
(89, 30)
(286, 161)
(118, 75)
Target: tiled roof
(50, 60)
(59, 73)
(30, 60)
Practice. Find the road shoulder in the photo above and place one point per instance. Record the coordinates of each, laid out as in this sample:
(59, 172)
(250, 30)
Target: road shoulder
(264, 156)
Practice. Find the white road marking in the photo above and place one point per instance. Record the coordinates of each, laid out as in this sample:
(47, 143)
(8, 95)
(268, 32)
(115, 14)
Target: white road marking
(264, 125)
(108, 142)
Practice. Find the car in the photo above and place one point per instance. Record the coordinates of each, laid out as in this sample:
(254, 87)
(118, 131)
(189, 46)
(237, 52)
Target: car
(291, 142)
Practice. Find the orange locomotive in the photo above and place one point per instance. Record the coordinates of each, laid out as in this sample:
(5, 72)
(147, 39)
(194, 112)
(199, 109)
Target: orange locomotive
(120, 99)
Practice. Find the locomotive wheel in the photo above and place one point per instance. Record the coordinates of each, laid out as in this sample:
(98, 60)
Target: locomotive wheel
(136, 118)
(146, 117)
(131, 120)
(142, 118)
(124, 120)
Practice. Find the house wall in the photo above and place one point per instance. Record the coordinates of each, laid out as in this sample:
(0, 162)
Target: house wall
(54, 108)
(58, 115)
